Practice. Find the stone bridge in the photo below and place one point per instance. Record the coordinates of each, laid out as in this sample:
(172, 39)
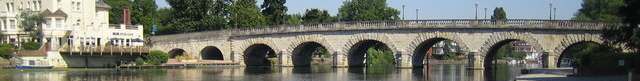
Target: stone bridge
(408, 40)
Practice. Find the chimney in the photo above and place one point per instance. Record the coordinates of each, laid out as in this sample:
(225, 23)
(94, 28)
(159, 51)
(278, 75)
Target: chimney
(126, 16)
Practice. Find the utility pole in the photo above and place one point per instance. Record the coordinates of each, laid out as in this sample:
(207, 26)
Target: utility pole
(550, 10)
(554, 13)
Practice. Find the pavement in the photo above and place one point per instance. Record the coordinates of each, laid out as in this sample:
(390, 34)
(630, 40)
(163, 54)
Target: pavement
(555, 77)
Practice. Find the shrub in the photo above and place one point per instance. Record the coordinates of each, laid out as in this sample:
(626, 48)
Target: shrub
(157, 57)
(6, 50)
(381, 57)
(31, 45)
(139, 61)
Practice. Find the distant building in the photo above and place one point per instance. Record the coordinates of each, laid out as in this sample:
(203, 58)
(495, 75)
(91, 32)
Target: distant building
(70, 24)
(523, 46)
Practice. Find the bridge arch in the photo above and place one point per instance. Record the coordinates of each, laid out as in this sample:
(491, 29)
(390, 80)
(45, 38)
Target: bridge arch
(298, 40)
(571, 40)
(354, 47)
(211, 53)
(173, 53)
(498, 38)
(257, 54)
(357, 53)
(303, 53)
(427, 40)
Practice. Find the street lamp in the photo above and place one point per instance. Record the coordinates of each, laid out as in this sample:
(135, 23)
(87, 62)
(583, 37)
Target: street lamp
(554, 13)
(476, 10)
(550, 10)
(402, 12)
(417, 10)
(485, 13)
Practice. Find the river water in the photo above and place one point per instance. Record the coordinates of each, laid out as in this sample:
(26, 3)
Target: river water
(441, 72)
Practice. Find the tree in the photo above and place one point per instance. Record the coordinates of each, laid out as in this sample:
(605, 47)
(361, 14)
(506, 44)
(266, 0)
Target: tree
(145, 15)
(367, 10)
(244, 13)
(499, 14)
(6, 50)
(115, 13)
(195, 15)
(274, 11)
(316, 16)
(627, 34)
(31, 23)
(599, 10)
(294, 19)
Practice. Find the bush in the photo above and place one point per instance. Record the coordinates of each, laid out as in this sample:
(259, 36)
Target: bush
(6, 50)
(139, 61)
(31, 45)
(157, 57)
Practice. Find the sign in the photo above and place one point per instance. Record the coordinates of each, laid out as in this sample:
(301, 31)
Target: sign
(154, 28)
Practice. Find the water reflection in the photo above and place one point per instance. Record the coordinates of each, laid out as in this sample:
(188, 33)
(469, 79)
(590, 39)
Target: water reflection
(443, 72)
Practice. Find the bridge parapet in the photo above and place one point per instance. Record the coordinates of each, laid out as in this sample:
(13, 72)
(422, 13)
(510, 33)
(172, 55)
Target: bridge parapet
(380, 25)
(414, 24)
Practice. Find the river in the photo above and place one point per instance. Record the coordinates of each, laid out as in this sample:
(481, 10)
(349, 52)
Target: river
(441, 72)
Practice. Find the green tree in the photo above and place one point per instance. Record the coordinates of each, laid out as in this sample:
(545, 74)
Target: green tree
(245, 13)
(499, 14)
(316, 16)
(146, 15)
(627, 34)
(31, 22)
(195, 15)
(6, 50)
(274, 11)
(367, 10)
(157, 57)
(599, 10)
(379, 57)
(115, 13)
(294, 19)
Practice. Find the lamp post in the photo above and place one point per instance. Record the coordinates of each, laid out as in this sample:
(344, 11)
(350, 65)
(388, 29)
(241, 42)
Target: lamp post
(402, 12)
(476, 4)
(554, 13)
(550, 10)
(417, 10)
(485, 13)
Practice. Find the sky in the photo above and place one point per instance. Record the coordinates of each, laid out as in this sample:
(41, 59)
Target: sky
(449, 9)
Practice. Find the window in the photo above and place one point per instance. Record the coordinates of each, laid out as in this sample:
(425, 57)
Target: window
(78, 6)
(12, 24)
(48, 23)
(59, 22)
(39, 5)
(2, 24)
(73, 7)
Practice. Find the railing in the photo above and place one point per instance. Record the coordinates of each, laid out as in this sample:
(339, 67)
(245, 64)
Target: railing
(120, 26)
(403, 24)
(105, 49)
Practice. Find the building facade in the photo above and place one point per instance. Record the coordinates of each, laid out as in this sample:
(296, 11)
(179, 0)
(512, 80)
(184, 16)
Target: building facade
(69, 24)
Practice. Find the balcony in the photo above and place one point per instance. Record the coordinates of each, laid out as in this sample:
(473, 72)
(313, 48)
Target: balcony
(104, 50)
(124, 26)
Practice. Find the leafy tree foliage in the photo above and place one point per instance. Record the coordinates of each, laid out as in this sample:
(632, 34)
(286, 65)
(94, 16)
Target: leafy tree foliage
(499, 14)
(627, 34)
(294, 19)
(6, 50)
(30, 22)
(367, 10)
(274, 11)
(506, 51)
(599, 10)
(142, 12)
(194, 15)
(379, 57)
(31, 46)
(316, 16)
(157, 57)
(244, 13)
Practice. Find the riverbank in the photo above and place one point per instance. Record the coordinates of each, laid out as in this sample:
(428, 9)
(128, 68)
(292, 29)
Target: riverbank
(563, 74)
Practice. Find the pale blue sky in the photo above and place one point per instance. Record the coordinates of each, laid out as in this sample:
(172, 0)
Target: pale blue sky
(450, 9)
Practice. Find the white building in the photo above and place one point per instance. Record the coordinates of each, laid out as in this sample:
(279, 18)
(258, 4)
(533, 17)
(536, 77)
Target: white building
(70, 24)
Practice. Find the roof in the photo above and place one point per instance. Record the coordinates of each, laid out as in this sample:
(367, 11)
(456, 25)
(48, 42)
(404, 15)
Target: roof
(101, 4)
(58, 12)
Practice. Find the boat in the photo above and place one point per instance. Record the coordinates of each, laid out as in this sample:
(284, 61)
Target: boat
(34, 67)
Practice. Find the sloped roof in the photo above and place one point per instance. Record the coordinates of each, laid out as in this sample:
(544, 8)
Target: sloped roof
(101, 4)
(58, 12)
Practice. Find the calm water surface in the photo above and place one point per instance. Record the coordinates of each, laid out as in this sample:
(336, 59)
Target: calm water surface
(444, 72)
